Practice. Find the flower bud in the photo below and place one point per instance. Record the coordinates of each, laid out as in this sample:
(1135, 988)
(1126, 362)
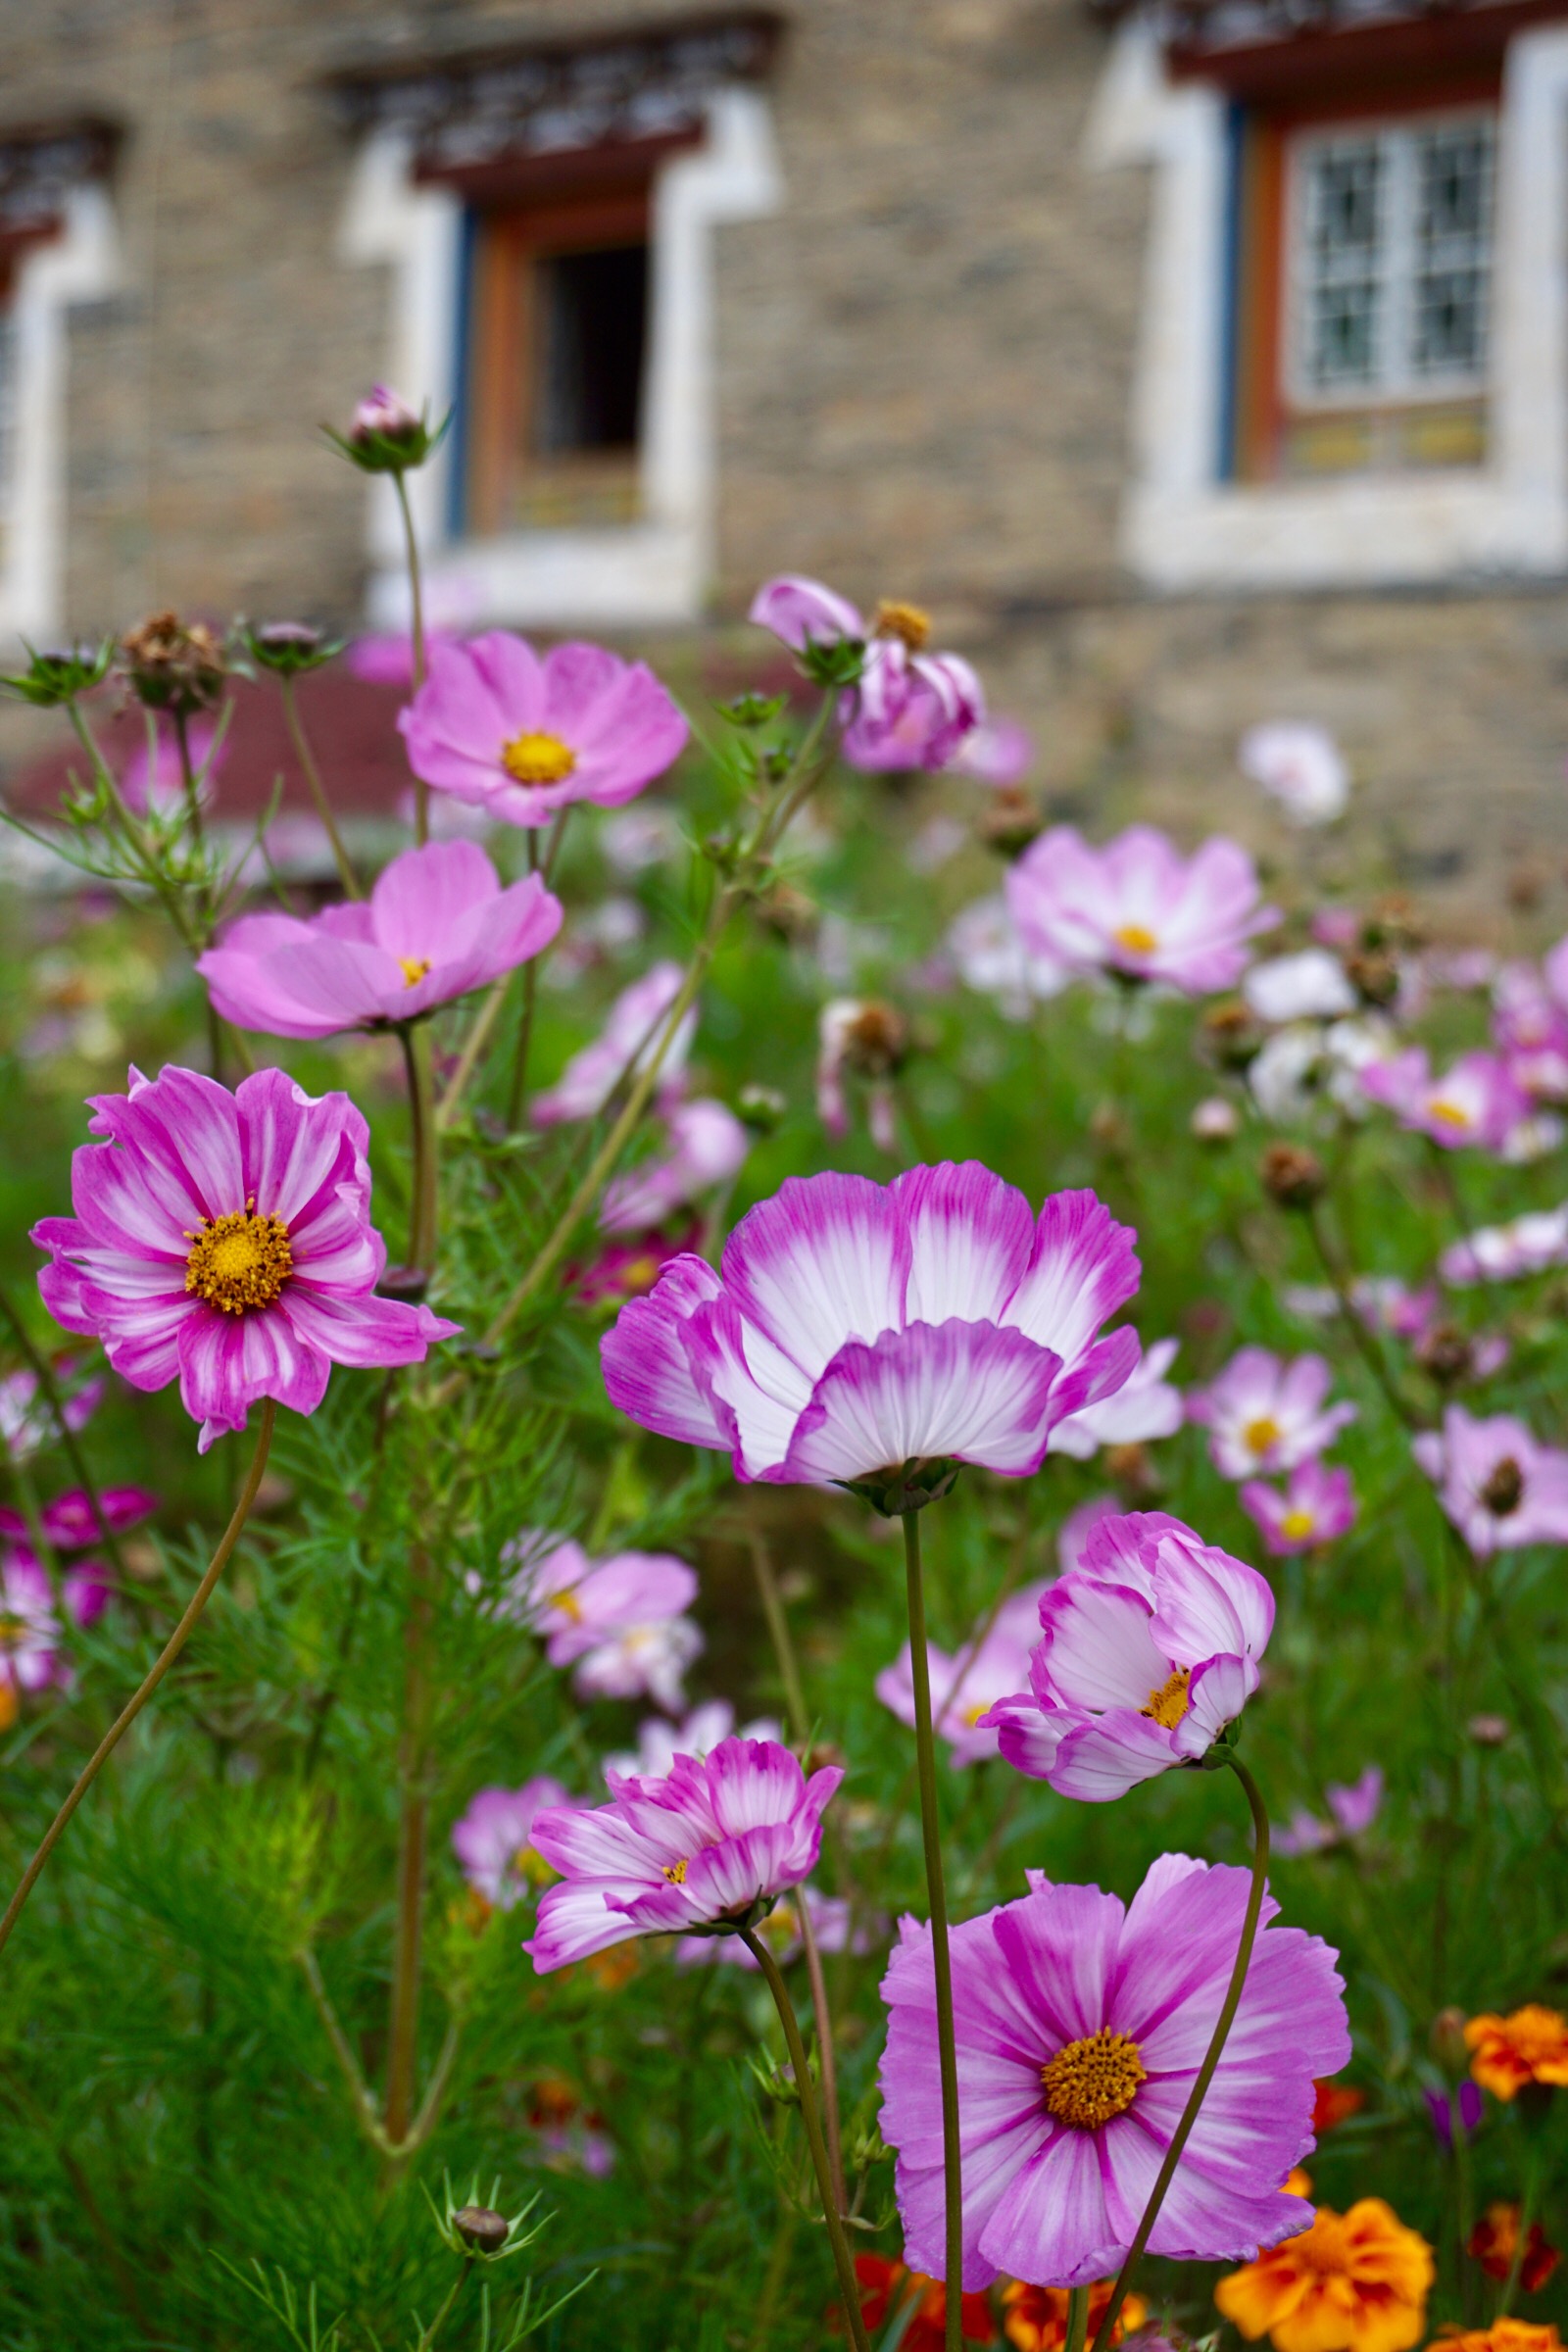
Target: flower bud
(752, 710)
(1446, 2040)
(1489, 1730)
(288, 648)
(171, 666)
(1011, 821)
(1292, 1176)
(1215, 1121)
(1444, 1354)
(1374, 975)
(482, 2227)
(761, 1107)
(1230, 1035)
(54, 676)
(385, 436)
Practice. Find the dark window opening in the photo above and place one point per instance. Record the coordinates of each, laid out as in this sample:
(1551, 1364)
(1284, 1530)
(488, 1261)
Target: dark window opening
(593, 322)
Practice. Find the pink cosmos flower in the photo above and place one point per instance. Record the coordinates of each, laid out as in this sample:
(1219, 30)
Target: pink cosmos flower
(704, 1847)
(1264, 1414)
(1498, 1483)
(911, 708)
(1145, 1407)
(1474, 1101)
(387, 658)
(991, 957)
(999, 752)
(1316, 1506)
(72, 1524)
(1355, 1809)
(636, 1022)
(30, 1633)
(493, 1839)
(1298, 765)
(659, 1743)
(381, 411)
(226, 1240)
(1072, 1537)
(520, 736)
(619, 1621)
(1530, 1030)
(856, 1327)
(628, 1269)
(26, 1420)
(706, 1144)
(1529, 1245)
(1081, 2026)
(1137, 909)
(993, 1662)
(1147, 1651)
(436, 925)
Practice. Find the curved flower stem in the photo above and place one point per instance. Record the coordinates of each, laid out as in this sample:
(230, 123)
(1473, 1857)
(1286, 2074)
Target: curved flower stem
(1077, 2318)
(849, 2290)
(312, 777)
(170, 1652)
(1212, 2057)
(416, 1036)
(941, 1955)
(422, 791)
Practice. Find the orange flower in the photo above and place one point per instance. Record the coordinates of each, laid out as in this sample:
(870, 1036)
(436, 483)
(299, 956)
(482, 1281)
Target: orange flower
(1528, 2047)
(886, 2286)
(1352, 2282)
(1334, 2103)
(1495, 2242)
(1035, 2318)
(1503, 2335)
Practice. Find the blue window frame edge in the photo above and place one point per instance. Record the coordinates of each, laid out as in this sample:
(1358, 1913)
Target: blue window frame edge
(1229, 321)
(461, 369)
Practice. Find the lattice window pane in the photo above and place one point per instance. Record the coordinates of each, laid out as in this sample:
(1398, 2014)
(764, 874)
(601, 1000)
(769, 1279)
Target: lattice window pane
(1345, 241)
(1453, 174)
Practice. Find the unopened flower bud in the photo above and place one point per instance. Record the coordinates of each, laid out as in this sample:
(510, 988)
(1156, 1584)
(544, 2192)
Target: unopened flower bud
(288, 648)
(1230, 1035)
(1215, 1121)
(1109, 1129)
(761, 1107)
(1489, 1730)
(1446, 1355)
(482, 2227)
(1394, 924)
(789, 915)
(385, 436)
(383, 412)
(752, 710)
(1373, 974)
(1013, 819)
(874, 1038)
(171, 666)
(1293, 1176)
(54, 676)
(1446, 2040)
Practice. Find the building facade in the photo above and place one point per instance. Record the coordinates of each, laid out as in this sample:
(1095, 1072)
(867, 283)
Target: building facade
(1193, 369)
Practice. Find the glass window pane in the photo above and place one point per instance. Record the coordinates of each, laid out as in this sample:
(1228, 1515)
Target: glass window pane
(1453, 257)
(1344, 264)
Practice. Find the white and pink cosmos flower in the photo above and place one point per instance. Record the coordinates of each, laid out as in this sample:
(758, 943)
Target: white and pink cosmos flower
(854, 1328)
(77, 1520)
(1315, 1505)
(705, 1145)
(1528, 1245)
(1298, 765)
(1352, 1810)
(966, 1687)
(1500, 1486)
(33, 1655)
(493, 1839)
(635, 1023)
(1266, 1413)
(436, 924)
(709, 1847)
(1146, 1652)
(1475, 1102)
(909, 708)
(1145, 1407)
(1530, 1030)
(225, 1240)
(620, 1622)
(1137, 909)
(522, 736)
(27, 1420)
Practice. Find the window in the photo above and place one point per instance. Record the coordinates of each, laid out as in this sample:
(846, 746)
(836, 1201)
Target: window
(558, 336)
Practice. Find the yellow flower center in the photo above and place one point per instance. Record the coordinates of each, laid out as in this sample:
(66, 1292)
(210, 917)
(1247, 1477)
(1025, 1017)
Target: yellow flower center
(1092, 2081)
(675, 1872)
(1452, 1115)
(1297, 1524)
(972, 1715)
(904, 621)
(415, 968)
(1169, 1704)
(1260, 1434)
(537, 758)
(239, 1262)
(1136, 938)
(12, 1630)
(569, 1605)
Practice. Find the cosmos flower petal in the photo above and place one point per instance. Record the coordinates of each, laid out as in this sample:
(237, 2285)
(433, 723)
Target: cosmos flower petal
(969, 1389)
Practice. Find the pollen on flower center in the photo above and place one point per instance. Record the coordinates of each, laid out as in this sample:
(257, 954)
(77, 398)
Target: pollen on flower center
(415, 968)
(1452, 1115)
(1169, 1704)
(1094, 2081)
(1297, 1524)
(532, 758)
(569, 1605)
(1136, 938)
(239, 1262)
(675, 1872)
(904, 621)
(1260, 1434)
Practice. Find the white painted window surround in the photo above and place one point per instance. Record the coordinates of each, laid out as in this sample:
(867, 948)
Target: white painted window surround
(81, 263)
(1183, 527)
(654, 572)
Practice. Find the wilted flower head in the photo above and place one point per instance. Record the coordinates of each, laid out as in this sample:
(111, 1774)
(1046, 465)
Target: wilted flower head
(492, 1840)
(226, 1240)
(1146, 1652)
(1137, 909)
(1498, 1484)
(871, 1039)
(1110, 2010)
(710, 1846)
(1474, 1101)
(1316, 1506)
(1352, 2282)
(993, 1662)
(1145, 1407)
(175, 666)
(1265, 1412)
(880, 1334)
(1354, 1808)
(619, 1621)
(1509, 2053)
(522, 736)
(436, 925)
(1529, 1245)
(635, 1024)
(1298, 765)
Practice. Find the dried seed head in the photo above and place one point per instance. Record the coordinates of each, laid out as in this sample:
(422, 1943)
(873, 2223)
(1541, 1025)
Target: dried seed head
(173, 668)
(1292, 1176)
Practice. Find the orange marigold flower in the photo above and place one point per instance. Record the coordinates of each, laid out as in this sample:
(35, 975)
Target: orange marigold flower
(885, 2288)
(1352, 2282)
(1495, 2242)
(1334, 2103)
(1531, 2045)
(1503, 2335)
(1035, 2318)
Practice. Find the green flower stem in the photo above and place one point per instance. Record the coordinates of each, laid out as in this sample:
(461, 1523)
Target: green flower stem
(156, 879)
(473, 1045)
(312, 777)
(1077, 2318)
(422, 791)
(941, 1954)
(424, 1209)
(1212, 2057)
(39, 1366)
(849, 2290)
(413, 1821)
(1366, 1345)
(170, 1652)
